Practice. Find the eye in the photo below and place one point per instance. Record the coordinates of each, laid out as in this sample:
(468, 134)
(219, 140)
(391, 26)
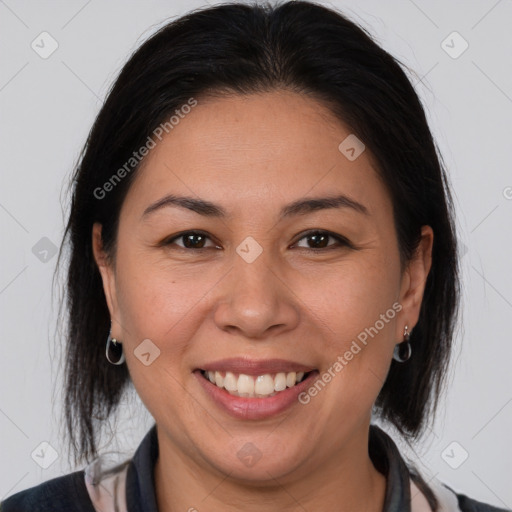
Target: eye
(316, 240)
(190, 240)
(320, 240)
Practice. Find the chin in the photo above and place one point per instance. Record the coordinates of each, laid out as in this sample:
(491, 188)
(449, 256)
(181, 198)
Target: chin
(258, 466)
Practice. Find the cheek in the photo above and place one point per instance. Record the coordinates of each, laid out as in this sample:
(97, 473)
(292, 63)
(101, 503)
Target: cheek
(357, 309)
(339, 301)
(155, 297)
(163, 307)
(353, 297)
(340, 304)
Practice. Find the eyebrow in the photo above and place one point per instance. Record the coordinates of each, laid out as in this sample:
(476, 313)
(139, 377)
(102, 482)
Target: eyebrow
(299, 207)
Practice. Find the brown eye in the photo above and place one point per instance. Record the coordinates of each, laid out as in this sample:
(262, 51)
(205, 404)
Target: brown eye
(189, 240)
(320, 240)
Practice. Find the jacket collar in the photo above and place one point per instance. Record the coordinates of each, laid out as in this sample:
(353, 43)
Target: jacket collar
(140, 483)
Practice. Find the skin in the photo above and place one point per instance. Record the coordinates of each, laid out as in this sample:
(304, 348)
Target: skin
(252, 155)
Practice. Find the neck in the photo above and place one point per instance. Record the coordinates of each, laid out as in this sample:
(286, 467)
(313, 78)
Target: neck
(346, 481)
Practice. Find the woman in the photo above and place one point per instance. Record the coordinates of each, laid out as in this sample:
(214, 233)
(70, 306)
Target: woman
(262, 241)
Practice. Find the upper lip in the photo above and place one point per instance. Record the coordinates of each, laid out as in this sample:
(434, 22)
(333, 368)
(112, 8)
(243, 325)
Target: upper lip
(255, 366)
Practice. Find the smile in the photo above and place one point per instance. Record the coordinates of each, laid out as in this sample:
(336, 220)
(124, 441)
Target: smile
(254, 386)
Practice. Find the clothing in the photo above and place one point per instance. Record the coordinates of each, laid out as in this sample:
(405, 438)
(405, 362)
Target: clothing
(130, 487)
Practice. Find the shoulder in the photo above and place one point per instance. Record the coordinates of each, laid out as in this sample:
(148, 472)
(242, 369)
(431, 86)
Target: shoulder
(441, 497)
(60, 494)
(449, 500)
(470, 505)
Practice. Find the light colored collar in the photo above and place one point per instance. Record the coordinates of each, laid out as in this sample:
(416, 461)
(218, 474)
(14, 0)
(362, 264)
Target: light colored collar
(107, 489)
(446, 499)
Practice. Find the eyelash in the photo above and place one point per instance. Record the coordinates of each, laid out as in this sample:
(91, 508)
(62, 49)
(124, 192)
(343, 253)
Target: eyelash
(341, 241)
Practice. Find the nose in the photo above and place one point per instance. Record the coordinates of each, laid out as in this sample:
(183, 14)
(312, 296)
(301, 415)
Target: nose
(256, 301)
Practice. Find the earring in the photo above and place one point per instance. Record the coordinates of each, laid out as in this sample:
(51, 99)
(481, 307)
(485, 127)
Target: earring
(403, 351)
(114, 350)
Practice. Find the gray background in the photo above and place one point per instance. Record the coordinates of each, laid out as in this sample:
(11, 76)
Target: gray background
(47, 108)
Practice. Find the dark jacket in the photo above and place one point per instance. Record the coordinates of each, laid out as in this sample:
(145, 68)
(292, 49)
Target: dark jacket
(130, 486)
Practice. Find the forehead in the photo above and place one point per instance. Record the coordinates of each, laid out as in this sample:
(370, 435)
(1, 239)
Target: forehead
(256, 151)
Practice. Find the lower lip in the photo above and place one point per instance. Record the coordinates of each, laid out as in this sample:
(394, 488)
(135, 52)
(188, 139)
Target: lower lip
(255, 408)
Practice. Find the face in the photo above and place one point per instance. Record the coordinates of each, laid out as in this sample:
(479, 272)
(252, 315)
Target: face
(260, 281)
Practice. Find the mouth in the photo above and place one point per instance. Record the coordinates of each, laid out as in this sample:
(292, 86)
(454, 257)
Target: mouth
(254, 386)
(255, 389)
(250, 389)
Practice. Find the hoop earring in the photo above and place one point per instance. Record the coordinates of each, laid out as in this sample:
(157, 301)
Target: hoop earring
(114, 350)
(403, 350)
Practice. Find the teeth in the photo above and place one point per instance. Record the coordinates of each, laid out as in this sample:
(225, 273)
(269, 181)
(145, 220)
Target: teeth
(280, 382)
(264, 385)
(230, 382)
(219, 380)
(254, 387)
(290, 379)
(245, 384)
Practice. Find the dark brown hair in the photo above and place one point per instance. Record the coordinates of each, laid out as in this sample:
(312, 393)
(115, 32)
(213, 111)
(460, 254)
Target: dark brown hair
(245, 49)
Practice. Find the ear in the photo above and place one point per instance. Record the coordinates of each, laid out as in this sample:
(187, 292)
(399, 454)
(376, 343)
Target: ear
(106, 270)
(413, 281)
